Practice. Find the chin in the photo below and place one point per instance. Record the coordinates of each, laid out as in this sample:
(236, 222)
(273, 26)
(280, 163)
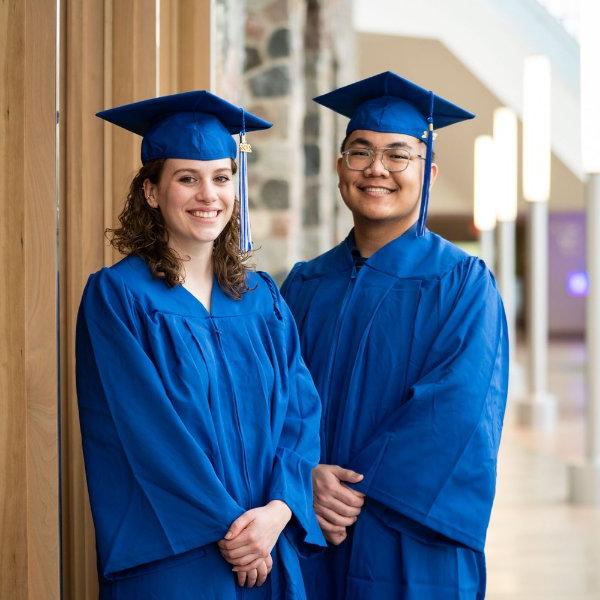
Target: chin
(377, 215)
(383, 218)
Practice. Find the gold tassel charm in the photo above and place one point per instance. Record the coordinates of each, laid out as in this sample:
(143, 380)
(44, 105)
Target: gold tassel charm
(244, 145)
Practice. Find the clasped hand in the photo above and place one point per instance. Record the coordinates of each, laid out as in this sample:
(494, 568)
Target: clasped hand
(336, 505)
(251, 537)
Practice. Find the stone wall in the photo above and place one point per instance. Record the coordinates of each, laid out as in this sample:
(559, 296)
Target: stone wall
(292, 51)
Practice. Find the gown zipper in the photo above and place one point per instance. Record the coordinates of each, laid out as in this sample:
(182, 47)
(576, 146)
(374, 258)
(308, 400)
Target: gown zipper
(217, 331)
(338, 329)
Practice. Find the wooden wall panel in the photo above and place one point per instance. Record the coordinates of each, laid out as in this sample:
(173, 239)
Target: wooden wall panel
(108, 50)
(169, 72)
(41, 263)
(82, 252)
(186, 38)
(194, 45)
(29, 520)
(13, 412)
(134, 77)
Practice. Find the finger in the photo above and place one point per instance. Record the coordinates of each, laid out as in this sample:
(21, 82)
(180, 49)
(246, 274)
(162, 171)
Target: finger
(333, 488)
(223, 555)
(241, 578)
(337, 506)
(253, 565)
(263, 573)
(245, 561)
(238, 552)
(329, 528)
(350, 497)
(336, 538)
(242, 539)
(347, 474)
(333, 517)
(251, 578)
(353, 491)
(269, 563)
(239, 525)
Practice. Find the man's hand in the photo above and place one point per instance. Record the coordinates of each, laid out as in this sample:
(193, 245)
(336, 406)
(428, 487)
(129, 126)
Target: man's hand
(336, 505)
(251, 537)
(255, 577)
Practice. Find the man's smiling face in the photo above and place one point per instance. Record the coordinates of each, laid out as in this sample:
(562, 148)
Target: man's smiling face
(377, 196)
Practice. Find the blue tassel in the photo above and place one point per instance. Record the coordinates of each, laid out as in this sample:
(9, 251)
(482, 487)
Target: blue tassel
(245, 236)
(427, 176)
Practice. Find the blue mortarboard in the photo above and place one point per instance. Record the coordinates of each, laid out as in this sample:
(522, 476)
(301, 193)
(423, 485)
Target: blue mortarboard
(389, 103)
(194, 125)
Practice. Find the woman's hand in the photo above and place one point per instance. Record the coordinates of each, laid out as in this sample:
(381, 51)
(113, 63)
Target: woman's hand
(251, 536)
(255, 577)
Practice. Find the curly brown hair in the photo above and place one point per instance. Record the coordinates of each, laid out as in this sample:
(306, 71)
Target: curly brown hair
(143, 232)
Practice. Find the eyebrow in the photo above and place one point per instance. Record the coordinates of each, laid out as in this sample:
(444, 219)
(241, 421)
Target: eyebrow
(196, 172)
(364, 142)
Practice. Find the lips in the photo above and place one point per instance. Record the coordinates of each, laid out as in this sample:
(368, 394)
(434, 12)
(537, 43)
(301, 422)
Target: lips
(204, 214)
(375, 190)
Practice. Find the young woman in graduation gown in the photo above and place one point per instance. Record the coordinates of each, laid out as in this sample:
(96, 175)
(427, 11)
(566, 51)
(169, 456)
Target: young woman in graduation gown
(199, 418)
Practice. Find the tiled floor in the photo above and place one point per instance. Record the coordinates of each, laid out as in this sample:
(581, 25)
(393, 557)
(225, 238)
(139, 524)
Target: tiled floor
(539, 546)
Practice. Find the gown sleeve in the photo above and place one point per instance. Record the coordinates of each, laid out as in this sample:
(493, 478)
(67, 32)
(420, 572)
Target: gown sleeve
(154, 492)
(298, 448)
(432, 464)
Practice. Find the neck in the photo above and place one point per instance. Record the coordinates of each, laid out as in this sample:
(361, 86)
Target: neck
(199, 267)
(370, 237)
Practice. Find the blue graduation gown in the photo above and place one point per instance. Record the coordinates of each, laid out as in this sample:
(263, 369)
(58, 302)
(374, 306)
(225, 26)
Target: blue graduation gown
(188, 419)
(410, 357)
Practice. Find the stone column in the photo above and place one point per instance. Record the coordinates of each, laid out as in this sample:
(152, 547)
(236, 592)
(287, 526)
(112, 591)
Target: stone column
(274, 89)
(329, 62)
(291, 50)
(227, 49)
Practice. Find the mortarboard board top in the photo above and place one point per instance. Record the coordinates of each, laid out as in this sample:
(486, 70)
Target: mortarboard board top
(195, 125)
(389, 103)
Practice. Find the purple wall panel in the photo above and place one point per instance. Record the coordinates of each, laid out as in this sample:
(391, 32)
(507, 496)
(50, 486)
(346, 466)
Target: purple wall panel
(567, 285)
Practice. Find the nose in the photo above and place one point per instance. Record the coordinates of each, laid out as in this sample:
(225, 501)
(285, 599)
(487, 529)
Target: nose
(376, 168)
(207, 193)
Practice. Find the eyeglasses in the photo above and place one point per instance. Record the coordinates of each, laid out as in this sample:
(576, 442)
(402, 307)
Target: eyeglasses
(393, 159)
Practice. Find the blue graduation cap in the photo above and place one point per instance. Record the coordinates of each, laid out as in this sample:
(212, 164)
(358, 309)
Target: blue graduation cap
(389, 103)
(194, 125)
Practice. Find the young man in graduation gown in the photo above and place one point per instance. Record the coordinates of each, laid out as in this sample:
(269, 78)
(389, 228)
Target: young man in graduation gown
(405, 337)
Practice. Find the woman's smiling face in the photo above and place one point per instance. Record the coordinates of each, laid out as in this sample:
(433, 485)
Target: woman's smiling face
(196, 199)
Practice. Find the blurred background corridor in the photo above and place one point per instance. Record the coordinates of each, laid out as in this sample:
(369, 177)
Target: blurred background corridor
(539, 544)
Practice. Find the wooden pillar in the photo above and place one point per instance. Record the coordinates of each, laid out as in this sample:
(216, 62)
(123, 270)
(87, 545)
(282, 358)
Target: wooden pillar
(109, 54)
(131, 46)
(29, 526)
(186, 39)
(82, 237)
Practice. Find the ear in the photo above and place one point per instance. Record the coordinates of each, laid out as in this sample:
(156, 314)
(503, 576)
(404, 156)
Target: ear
(339, 165)
(150, 193)
(434, 173)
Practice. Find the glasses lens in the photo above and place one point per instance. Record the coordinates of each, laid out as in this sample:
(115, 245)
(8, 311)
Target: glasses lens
(395, 159)
(359, 158)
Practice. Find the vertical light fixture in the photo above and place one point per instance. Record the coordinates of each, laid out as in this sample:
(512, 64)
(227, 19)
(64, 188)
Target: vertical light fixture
(506, 143)
(536, 128)
(537, 407)
(484, 210)
(505, 140)
(584, 479)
